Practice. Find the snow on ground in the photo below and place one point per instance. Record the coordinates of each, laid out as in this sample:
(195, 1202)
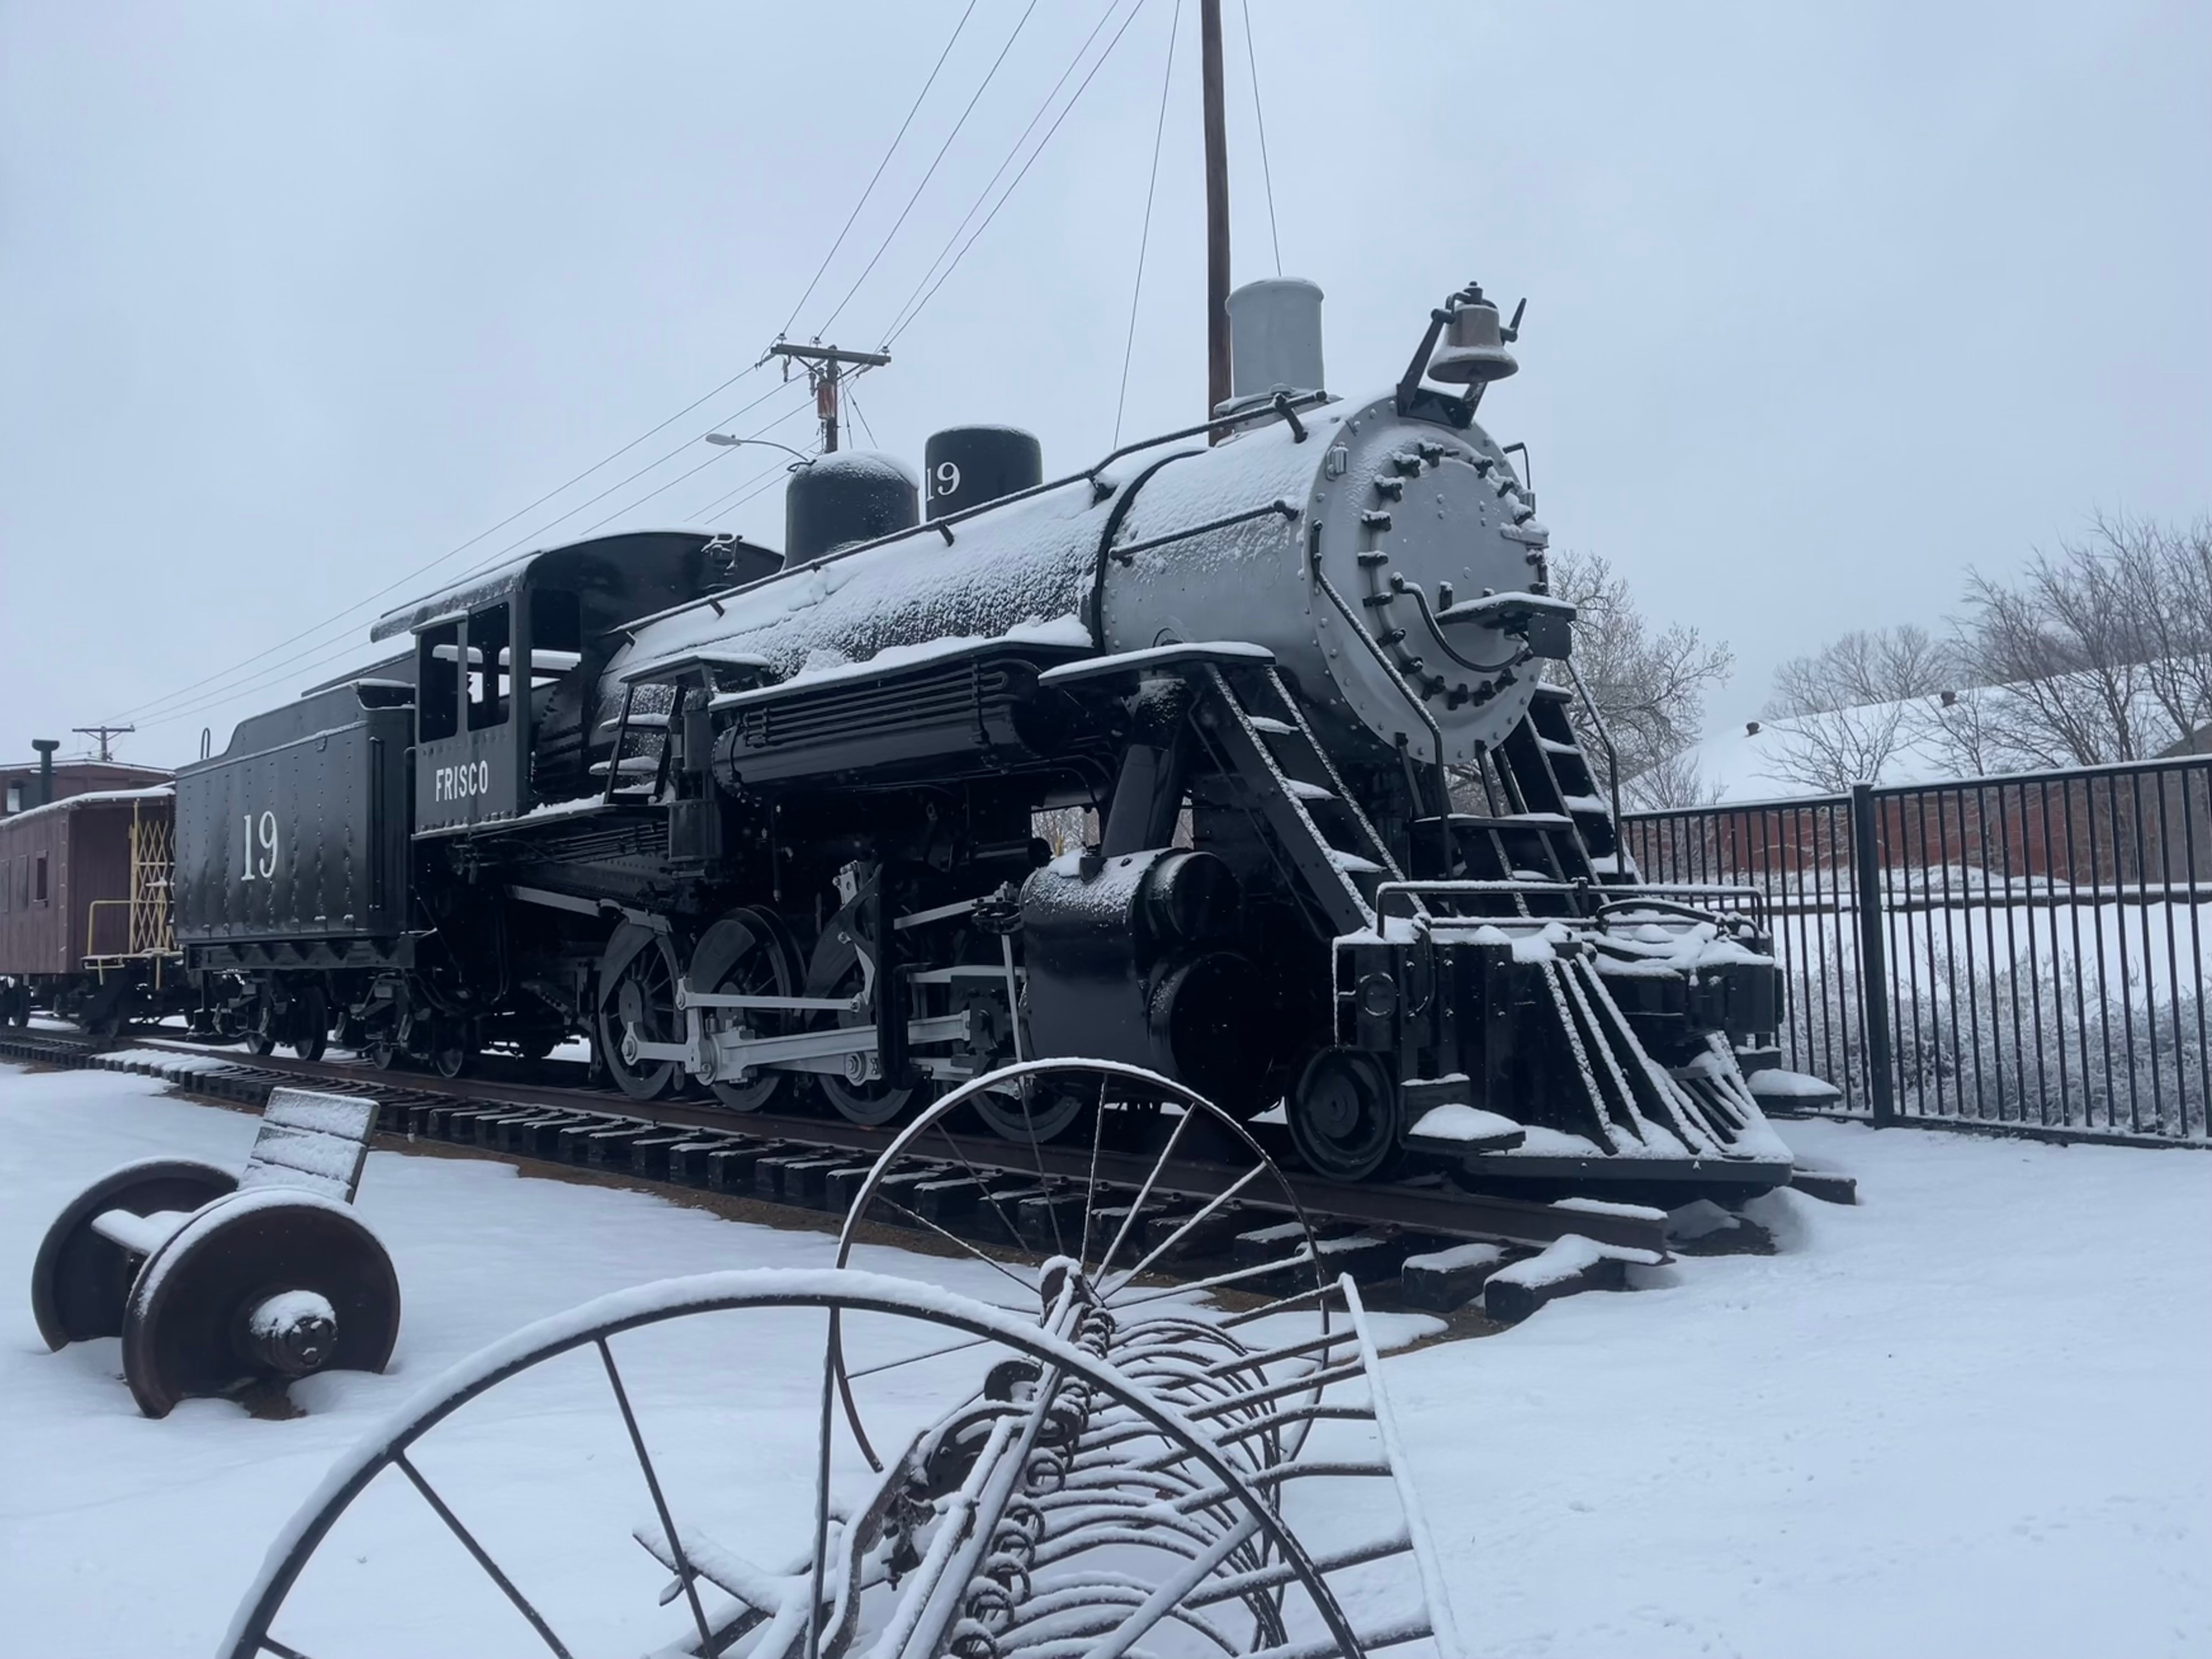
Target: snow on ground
(1966, 1418)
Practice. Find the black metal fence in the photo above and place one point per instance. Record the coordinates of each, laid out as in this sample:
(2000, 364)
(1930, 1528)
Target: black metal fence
(2026, 951)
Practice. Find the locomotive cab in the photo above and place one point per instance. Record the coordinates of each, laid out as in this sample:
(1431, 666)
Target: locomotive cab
(507, 668)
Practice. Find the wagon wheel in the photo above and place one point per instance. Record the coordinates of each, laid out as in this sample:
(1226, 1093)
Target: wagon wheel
(310, 1021)
(268, 1284)
(1166, 1178)
(631, 1552)
(637, 991)
(80, 1280)
(746, 953)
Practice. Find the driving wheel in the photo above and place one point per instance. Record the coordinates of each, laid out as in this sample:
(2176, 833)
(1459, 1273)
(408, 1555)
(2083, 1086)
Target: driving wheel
(746, 953)
(638, 993)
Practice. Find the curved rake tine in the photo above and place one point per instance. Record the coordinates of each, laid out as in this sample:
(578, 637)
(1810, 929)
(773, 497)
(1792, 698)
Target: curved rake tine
(684, 1574)
(491, 1567)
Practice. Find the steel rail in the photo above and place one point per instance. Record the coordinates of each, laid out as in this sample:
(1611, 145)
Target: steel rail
(1426, 1210)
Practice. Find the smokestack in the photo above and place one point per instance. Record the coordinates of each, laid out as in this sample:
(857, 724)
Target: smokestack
(46, 746)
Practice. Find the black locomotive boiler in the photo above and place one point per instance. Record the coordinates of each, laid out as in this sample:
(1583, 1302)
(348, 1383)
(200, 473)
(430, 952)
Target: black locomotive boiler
(767, 825)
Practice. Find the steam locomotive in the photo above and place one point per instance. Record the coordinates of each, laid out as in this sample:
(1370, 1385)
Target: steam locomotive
(767, 825)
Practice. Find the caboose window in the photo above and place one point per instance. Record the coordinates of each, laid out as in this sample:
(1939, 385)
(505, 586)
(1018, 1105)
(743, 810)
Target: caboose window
(437, 676)
(14, 797)
(490, 671)
(38, 879)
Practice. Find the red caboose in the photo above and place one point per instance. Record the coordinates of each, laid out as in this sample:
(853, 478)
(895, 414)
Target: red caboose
(85, 924)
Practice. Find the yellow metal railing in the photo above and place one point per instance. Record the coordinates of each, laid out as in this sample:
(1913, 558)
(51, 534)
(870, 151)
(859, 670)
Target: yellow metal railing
(149, 923)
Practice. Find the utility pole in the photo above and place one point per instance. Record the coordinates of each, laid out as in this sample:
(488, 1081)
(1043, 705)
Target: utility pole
(104, 733)
(825, 367)
(1217, 208)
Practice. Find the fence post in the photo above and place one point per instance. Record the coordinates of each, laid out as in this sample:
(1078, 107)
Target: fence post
(1874, 955)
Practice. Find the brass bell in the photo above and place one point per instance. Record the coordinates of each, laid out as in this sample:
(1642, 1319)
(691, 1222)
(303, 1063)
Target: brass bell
(1474, 350)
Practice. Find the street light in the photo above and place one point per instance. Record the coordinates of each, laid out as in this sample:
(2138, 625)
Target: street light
(727, 441)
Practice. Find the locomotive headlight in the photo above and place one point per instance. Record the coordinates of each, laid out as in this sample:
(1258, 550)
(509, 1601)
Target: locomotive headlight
(1378, 995)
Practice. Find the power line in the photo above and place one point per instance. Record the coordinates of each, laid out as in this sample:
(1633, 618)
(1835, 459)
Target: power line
(899, 318)
(732, 499)
(242, 678)
(330, 652)
(1007, 196)
(989, 76)
(821, 270)
(1259, 115)
(1145, 241)
(862, 418)
(719, 454)
(235, 672)
(451, 553)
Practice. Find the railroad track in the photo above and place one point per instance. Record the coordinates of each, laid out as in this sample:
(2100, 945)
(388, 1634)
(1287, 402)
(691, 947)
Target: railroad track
(977, 1188)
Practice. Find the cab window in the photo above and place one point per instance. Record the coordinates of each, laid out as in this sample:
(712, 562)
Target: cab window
(490, 668)
(437, 679)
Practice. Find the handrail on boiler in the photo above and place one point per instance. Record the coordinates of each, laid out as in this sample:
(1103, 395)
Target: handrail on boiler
(1283, 408)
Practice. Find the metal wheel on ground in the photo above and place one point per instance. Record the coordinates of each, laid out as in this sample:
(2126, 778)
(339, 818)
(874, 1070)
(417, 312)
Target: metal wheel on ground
(266, 1284)
(80, 1279)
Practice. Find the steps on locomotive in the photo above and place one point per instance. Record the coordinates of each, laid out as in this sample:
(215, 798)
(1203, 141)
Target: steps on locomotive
(1551, 772)
(1254, 725)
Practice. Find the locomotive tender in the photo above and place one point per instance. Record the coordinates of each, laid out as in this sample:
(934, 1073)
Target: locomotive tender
(767, 824)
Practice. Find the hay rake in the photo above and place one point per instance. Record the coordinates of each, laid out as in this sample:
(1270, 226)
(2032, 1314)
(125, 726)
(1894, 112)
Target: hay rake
(1135, 1468)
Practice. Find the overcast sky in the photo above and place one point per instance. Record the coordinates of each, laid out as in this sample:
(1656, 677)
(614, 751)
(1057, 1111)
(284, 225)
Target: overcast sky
(1826, 302)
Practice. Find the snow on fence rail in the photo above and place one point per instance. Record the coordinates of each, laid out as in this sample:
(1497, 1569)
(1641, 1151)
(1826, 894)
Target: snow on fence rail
(2038, 940)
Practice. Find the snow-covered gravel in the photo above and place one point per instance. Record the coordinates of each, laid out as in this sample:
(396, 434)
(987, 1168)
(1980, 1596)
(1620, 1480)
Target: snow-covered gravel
(1968, 1418)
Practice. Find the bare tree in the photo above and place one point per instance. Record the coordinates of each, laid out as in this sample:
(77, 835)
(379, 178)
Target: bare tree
(1675, 782)
(2163, 575)
(1966, 728)
(1878, 665)
(1649, 683)
(2101, 652)
(1843, 713)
